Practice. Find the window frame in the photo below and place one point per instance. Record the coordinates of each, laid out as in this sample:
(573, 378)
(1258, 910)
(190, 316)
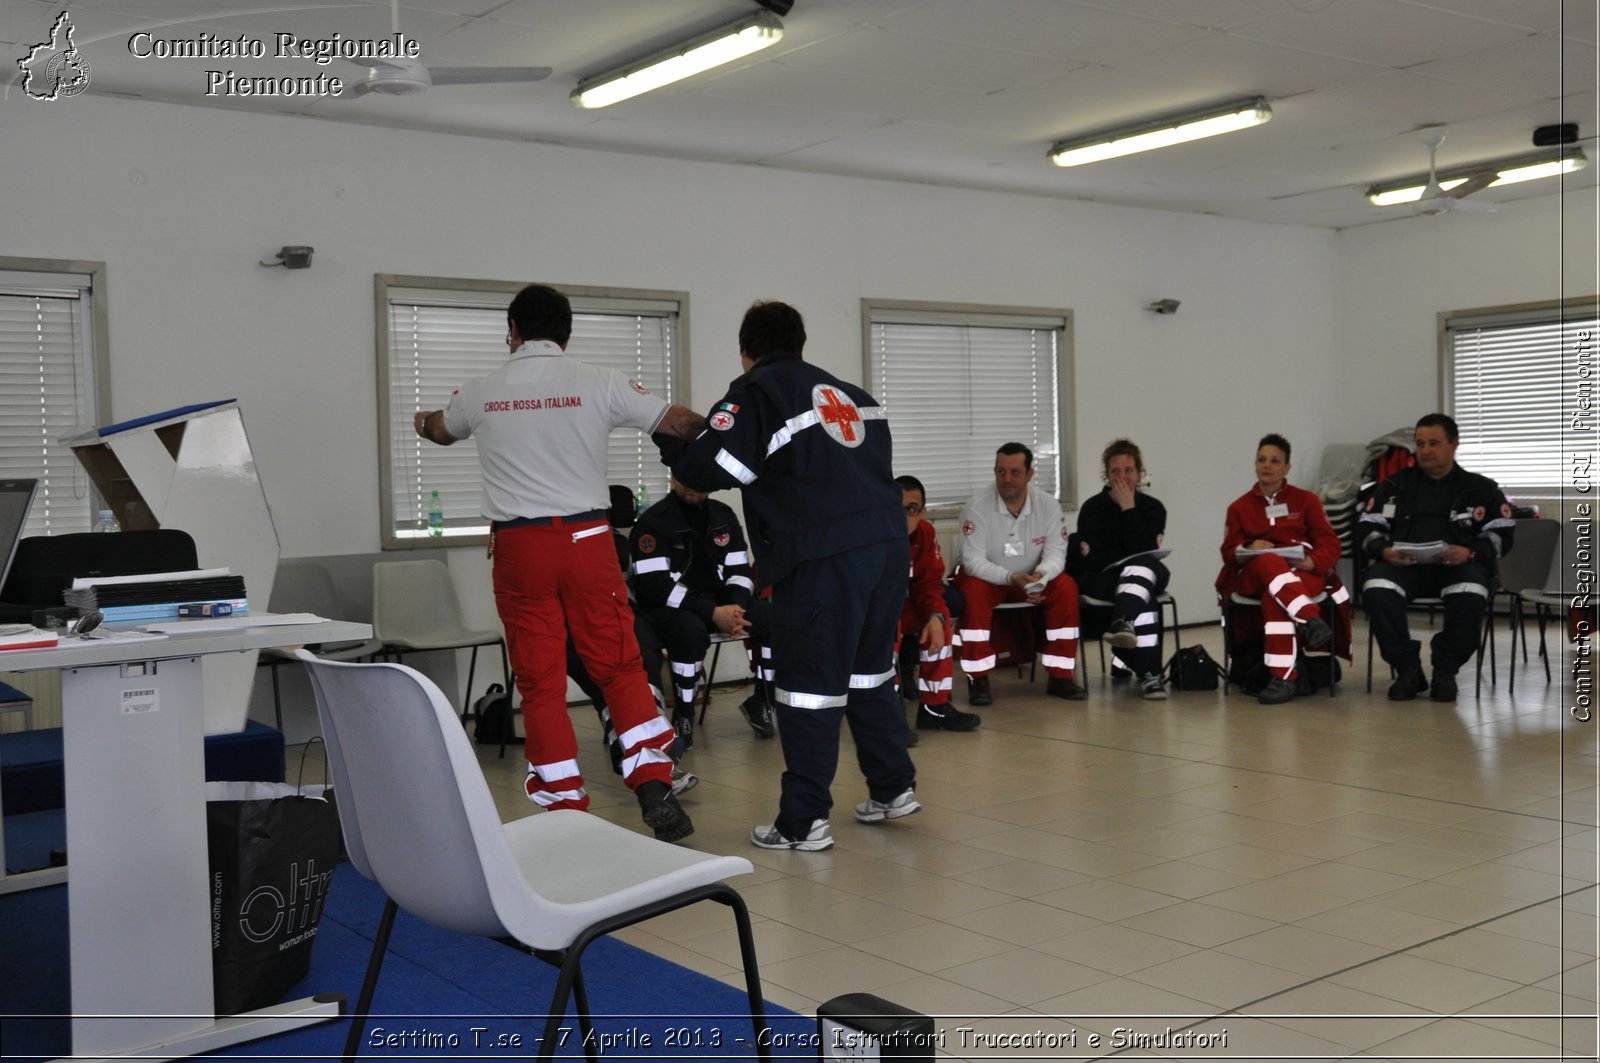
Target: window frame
(500, 294)
(908, 311)
(89, 277)
(1547, 312)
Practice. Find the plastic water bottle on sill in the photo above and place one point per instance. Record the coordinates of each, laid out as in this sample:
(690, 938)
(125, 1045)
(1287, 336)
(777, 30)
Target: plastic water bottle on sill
(106, 523)
(435, 516)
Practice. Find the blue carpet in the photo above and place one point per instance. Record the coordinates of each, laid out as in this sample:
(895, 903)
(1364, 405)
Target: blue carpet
(435, 989)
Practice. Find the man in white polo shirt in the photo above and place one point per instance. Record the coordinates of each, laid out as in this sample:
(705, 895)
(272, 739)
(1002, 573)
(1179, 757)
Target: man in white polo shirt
(542, 422)
(1013, 549)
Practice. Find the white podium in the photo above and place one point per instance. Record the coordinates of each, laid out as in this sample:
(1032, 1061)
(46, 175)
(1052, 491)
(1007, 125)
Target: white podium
(137, 896)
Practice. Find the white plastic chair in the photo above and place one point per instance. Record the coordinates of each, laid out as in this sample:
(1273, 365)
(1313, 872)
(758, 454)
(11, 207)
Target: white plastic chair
(306, 587)
(415, 608)
(418, 820)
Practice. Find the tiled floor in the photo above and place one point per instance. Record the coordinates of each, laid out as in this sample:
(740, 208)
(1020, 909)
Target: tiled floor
(1345, 878)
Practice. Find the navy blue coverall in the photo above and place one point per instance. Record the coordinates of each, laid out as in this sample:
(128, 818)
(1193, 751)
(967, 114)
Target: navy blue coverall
(812, 457)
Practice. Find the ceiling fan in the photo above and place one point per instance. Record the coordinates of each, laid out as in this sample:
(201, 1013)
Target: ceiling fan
(1437, 200)
(402, 76)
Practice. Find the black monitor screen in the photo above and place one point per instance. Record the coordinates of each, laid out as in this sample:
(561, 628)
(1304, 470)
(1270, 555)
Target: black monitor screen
(15, 498)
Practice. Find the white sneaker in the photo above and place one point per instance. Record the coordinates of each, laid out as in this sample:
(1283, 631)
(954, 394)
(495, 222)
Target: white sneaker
(770, 837)
(870, 811)
(683, 781)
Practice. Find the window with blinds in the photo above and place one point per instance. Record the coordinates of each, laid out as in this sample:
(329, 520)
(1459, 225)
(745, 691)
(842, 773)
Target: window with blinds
(437, 334)
(1509, 381)
(959, 381)
(47, 386)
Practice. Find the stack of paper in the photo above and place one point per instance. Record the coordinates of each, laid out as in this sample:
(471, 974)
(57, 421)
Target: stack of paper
(157, 595)
(25, 637)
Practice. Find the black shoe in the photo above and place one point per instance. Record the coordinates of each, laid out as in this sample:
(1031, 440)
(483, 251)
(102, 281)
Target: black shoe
(662, 813)
(684, 725)
(1121, 635)
(1409, 683)
(758, 714)
(978, 691)
(1444, 686)
(1277, 691)
(1314, 633)
(946, 718)
(1060, 687)
(1120, 674)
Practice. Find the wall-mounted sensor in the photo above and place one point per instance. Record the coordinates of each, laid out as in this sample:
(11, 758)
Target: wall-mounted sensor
(293, 256)
(1163, 306)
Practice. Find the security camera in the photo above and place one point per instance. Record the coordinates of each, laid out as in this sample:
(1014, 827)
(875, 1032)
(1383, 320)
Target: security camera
(1163, 306)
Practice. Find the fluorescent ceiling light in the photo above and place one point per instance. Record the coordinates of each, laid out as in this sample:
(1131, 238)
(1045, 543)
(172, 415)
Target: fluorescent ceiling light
(1162, 132)
(679, 61)
(1509, 172)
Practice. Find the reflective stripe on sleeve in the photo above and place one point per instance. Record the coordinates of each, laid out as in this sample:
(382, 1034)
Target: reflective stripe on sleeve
(735, 468)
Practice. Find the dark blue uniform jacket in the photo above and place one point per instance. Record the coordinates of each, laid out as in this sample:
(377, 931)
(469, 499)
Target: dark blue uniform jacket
(812, 456)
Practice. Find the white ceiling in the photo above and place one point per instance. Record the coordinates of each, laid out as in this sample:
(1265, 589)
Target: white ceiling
(967, 93)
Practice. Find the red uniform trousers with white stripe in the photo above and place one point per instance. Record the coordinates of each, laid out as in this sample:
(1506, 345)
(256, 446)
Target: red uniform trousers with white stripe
(1060, 658)
(1286, 595)
(935, 671)
(550, 580)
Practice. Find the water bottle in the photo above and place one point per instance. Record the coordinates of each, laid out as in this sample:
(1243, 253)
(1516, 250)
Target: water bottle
(435, 516)
(106, 523)
(643, 498)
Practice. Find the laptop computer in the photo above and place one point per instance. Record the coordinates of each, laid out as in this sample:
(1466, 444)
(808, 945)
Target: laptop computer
(16, 498)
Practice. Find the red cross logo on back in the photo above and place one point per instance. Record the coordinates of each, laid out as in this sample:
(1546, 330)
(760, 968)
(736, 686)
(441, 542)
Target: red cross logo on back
(839, 415)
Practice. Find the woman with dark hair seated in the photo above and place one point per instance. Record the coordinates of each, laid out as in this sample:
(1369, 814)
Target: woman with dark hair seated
(1124, 524)
(1274, 515)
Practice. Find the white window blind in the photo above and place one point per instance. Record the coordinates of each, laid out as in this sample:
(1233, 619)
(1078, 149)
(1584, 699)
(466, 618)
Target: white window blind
(956, 390)
(46, 392)
(439, 340)
(1510, 397)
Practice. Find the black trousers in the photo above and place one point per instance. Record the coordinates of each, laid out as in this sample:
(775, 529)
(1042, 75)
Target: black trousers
(1132, 590)
(833, 633)
(1386, 590)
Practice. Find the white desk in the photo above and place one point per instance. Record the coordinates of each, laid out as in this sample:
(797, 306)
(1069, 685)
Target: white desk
(138, 899)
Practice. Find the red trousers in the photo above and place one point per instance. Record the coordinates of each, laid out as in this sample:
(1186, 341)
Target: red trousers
(550, 581)
(1060, 658)
(1285, 594)
(935, 671)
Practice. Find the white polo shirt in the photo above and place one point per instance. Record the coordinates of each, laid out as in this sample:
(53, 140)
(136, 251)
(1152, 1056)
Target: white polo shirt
(994, 544)
(542, 422)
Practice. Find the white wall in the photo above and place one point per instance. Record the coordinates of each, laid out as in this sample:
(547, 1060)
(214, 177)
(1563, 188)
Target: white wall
(182, 202)
(1396, 278)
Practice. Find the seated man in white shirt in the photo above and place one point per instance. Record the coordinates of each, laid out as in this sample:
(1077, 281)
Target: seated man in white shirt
(1013, 549)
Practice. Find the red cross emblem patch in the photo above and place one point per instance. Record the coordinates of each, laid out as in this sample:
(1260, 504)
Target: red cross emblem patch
(840, 418)
(721, 538)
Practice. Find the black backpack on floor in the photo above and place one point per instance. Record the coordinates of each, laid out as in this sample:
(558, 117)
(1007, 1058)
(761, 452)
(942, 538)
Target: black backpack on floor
(493, 711)
(1192, 668)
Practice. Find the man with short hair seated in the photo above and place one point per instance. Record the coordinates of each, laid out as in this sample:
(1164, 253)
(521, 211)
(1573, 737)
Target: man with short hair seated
(1435, 501)
(691, 573)
(1013, 549)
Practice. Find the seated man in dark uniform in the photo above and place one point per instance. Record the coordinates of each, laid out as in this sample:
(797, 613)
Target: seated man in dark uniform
(691, 573)
(621, 515)
(1437, 501)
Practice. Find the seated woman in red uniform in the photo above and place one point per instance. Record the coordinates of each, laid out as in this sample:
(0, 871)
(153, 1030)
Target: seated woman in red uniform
(1274, 515)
